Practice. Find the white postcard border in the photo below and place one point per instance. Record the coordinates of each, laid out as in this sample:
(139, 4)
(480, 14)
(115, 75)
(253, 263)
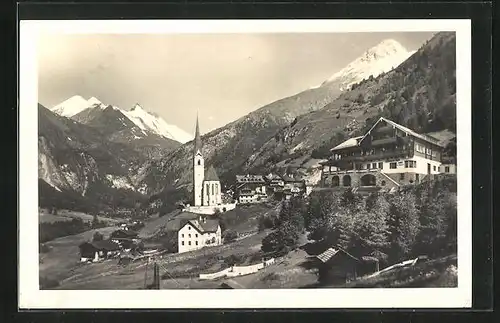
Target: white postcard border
(30, 297)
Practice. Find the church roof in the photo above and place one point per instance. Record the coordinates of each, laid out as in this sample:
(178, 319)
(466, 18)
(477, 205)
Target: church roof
(197, 138)
(211, 174)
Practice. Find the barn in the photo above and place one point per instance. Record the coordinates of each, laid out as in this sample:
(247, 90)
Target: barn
(337, 266)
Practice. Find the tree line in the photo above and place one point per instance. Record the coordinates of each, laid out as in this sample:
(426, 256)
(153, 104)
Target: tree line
(388, 227)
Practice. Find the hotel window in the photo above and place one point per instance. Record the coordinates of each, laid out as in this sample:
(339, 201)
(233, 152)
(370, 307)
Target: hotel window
(402, 176)
(392, 165)
(381, 165)
(368, 166)
(434, 167)
(447, 169)
(189, 242)
(415, 163)
(208, 189)
(406, 164)
(374, 165)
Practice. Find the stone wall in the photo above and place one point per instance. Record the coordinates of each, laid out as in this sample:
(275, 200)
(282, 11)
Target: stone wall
(356, 179)
(210, 209)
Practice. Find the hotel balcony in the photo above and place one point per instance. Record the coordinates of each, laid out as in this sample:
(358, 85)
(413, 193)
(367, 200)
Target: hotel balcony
(348, 162)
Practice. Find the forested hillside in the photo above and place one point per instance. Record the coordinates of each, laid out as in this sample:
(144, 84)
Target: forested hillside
(418, 220)
(419, 93)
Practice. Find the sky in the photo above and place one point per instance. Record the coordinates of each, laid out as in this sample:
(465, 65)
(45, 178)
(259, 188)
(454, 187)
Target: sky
(220, 76)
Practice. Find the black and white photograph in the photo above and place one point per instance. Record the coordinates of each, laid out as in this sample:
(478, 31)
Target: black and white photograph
(307, 157)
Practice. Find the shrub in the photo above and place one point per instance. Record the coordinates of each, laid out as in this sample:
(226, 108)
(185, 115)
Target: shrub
(229, 236)
(48, 283)
(44, 248)
(98, 236)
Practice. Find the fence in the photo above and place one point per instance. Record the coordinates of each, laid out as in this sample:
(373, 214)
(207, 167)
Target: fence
(238, 270)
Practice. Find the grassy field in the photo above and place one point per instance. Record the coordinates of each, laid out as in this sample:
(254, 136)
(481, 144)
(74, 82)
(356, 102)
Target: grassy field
(441, 272)
(288, 272)
(109, 274)
(243, 218)
(66, 215)
(63, 256)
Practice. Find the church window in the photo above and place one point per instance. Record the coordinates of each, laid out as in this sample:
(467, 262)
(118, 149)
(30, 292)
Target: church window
(199, 162)
(208, 189)
(212, 189)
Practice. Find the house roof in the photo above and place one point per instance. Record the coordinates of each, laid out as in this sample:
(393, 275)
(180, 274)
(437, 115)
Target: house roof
(290, 179)
(207, 226)
(351, 142)
(129, 233)
(331, 252)
(103, 245)
(272, 176)
(211, 174)
(406, 130)
(250, 179)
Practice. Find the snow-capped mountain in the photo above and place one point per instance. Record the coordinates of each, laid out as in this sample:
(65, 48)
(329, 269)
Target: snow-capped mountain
(86, 111)
(377, 60)
(153, 123)
(75, 105)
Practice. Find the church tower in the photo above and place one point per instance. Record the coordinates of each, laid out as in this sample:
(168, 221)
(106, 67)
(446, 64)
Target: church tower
(198, 167)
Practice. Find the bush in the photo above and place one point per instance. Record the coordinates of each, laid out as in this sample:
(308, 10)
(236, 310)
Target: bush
(98, 236)
(44, 248)
(48, 283)
(50, 231)
(229, 236)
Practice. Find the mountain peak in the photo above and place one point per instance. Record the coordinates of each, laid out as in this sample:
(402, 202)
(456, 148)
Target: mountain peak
(93, 101)
(378, 59)
(387, 47)
(71, 106)
(137, 107)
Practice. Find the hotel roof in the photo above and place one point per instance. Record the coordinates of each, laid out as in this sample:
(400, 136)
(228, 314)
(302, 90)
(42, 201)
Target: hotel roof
(351, 142)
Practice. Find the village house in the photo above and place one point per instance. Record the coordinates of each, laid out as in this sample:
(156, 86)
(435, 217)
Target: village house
(259, 188)
(293, 186)
(126, 239)
(337, 266)
(98, 250)
(387, 156)
(198, 233)
(251, 189)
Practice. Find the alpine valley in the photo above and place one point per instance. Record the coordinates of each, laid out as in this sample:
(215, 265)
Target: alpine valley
(91, 154)
(90, 151)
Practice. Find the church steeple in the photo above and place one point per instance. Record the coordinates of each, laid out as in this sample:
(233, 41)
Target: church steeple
(197, 137)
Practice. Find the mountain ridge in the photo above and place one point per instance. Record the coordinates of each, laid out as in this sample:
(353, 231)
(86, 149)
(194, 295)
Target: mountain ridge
(85, 111)
(412, 94)
(229, 147)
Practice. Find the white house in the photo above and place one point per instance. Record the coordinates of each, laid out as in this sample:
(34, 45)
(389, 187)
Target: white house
(448, 168)
(198, 233)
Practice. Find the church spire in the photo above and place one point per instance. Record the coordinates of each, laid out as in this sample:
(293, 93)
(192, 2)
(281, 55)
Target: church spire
(197, 138)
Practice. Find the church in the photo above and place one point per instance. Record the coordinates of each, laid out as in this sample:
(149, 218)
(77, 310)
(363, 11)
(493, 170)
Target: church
(206, 183)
